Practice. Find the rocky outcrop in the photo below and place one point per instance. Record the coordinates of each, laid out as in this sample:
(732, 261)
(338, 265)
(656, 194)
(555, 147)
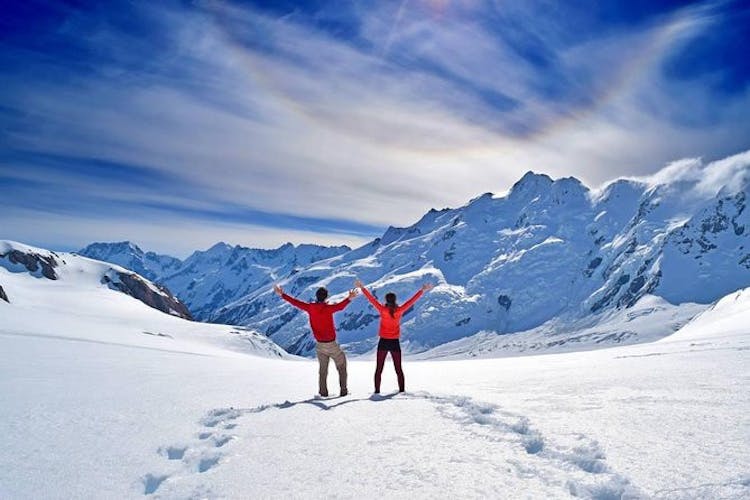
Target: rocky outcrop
(3, 295)
(160, 298)
(33, 262)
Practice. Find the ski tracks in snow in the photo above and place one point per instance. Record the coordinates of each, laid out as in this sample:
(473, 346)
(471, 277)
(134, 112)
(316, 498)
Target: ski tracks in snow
(545, 459)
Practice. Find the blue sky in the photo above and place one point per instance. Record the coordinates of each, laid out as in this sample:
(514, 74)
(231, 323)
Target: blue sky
(179, 124)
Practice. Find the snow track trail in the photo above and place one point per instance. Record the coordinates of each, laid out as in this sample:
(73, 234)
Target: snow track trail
(389, 439)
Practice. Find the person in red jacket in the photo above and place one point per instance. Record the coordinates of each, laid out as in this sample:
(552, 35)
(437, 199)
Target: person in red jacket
(324, 331)
(390, 330)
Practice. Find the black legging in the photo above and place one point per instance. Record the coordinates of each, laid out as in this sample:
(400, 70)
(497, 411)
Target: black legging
(383, 349)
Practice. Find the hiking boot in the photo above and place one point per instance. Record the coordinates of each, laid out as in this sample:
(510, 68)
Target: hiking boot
(344, 392)
(324, 394)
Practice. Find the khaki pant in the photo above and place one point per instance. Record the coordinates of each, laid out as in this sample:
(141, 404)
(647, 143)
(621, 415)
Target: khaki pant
(327, 351)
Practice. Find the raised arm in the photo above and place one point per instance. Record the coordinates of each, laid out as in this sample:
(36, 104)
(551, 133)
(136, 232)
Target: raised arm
(409, 303)
(296, 303)
(370, 296)
(339, 306)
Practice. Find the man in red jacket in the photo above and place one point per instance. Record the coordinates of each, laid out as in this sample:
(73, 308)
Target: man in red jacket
(324, 331)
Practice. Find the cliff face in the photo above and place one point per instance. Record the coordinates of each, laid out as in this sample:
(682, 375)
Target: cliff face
(35, 263)
(156, 296)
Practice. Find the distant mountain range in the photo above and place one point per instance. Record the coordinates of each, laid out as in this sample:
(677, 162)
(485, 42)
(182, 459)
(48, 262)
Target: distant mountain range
(548, 254)
(208, 280)
(53, 266)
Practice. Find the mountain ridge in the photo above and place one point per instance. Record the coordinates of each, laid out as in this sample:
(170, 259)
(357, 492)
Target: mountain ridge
(548, 248)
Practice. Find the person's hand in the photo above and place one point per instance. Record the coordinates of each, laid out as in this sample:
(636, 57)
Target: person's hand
(358, 283)
(427, 287)
(279, 291)
(352, 293)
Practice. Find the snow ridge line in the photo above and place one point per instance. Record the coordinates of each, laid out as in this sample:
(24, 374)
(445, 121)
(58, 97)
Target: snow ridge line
(590, 475)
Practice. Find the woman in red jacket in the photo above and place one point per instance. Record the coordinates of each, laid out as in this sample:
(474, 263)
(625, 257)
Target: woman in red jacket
(390, 330)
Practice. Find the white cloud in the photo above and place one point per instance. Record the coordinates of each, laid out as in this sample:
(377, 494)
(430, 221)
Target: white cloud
(320, 128)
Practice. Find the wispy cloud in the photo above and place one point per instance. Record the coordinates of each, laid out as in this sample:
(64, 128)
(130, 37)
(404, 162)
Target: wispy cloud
(323, 125)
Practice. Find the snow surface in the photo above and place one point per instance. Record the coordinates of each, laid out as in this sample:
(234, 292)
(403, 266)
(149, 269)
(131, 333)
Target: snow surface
(103, 397)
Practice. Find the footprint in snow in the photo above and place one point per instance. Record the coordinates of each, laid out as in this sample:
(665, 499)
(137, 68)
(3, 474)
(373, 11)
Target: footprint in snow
(221, 415)
(201, 456)
(151, 483)
(173, 452)
(208, 463)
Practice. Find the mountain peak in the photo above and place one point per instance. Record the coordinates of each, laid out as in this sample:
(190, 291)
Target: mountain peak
(114, 247)
(219, 247)
(531, 182)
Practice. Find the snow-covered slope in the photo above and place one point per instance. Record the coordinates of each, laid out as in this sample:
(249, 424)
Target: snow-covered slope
(549, 250)
(148, 405)
(728, 317)
(209, 279)
(73, 297)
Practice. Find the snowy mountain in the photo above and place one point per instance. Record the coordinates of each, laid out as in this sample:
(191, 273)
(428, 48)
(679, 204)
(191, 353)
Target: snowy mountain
(19, 258)
(548, 250)
(150, 265)
(209, 279)
(224, 273)
(67, 296)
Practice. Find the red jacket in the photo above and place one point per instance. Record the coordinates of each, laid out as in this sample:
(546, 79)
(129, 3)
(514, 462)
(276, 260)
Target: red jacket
(390, 326)
(321, 316)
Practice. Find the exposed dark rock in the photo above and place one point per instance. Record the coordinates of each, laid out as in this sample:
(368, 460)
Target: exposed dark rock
(355, 321)
(33, 262)
(705, 245)
(245, 311)
(304, 344)
(282, 321)
(3, 295)
(592, 266)
(303, 282)
(504, 301)
(632, 245)
(449, 253)
(463, 322)
(611, 293)
(739, 200)
(136, 287)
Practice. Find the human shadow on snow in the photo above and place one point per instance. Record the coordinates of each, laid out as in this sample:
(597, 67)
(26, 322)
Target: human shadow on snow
(320, 403)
